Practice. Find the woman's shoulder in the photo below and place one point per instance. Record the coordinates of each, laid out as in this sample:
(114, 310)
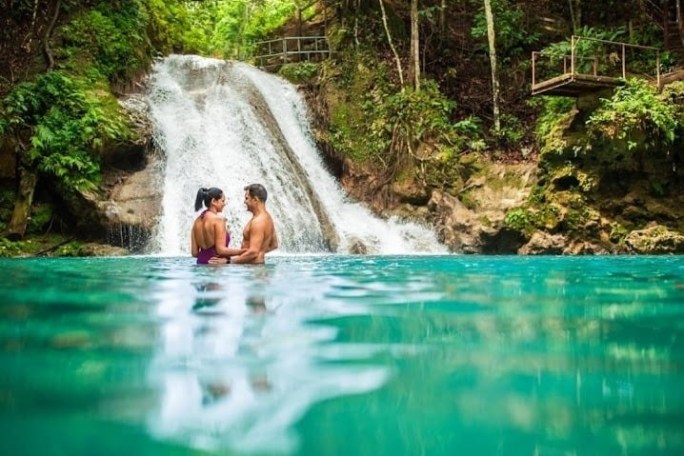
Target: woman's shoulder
(207, 215)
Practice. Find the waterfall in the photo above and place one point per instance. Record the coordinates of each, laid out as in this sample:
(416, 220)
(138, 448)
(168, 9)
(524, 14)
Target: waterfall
(227, 124)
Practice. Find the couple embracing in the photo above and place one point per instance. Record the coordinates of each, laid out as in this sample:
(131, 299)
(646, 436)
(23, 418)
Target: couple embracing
(210, 237)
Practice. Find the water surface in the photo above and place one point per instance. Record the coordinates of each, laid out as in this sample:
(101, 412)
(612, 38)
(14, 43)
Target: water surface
(318, 355)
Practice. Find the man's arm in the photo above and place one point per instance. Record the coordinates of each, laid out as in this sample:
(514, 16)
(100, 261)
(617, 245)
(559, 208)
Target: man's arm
(220, 240)
(256, 240)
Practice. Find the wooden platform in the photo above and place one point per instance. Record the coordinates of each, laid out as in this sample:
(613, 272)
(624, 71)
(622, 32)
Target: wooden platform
(574, 85)
(590, 66)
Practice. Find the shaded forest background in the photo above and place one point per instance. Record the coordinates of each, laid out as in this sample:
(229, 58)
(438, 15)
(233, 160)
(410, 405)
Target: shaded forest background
(409, 100)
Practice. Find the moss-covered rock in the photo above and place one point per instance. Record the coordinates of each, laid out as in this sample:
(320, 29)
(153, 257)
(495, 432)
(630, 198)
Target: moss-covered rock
(544, 243)
(655, 239)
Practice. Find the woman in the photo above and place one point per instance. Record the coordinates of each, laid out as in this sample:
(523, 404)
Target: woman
(209, 235)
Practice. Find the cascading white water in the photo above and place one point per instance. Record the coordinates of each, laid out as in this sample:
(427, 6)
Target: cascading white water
(213, 135)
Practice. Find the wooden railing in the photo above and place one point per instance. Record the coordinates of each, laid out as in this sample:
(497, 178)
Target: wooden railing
(291, 49)
(594, 63)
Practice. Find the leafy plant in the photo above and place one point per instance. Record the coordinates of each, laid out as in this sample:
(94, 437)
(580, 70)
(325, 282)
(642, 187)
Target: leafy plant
(555, 114)
(298, 73)
(635, 109)
(512, 131)
(521, 220)
(69, 126)
(512, 35)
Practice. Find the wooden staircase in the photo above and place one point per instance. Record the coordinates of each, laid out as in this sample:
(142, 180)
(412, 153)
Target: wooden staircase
(672, 39)
(664, 14)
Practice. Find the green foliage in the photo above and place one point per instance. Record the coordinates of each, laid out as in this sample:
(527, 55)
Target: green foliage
(298, 73)
(167, 24)
(618, 233)
(229, 28)
(586, 47)
(372, 120)
(69, 126)
(512, 131)
(422, 115)
(10, 249)
(520, 220)
(41, 215)
(112, 42)
(673, 95)
(635, 111)
(70, 249)
(6, 206)
(41, 245)
(468, 134)
(512, 35)
(555, 115)
(116, 41)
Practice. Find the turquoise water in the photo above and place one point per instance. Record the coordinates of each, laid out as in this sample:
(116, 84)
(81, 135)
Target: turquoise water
(331, 355)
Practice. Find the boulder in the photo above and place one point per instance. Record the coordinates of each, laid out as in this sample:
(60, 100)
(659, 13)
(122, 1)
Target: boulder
(542, 243)
(478, 226)
(655, 239)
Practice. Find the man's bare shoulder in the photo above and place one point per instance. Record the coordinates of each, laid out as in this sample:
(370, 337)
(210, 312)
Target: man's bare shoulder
(261, 220)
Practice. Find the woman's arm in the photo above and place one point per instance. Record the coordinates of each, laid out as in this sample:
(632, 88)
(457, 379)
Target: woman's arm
(274, 242)
(220, 240)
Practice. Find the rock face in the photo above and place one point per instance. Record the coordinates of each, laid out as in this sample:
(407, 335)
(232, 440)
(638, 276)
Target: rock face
(655, 239)
(125, 211)
(131, 207)
(478, 226)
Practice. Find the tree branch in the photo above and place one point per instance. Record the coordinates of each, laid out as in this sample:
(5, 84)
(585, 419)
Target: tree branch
(46, 40)
(391, 44)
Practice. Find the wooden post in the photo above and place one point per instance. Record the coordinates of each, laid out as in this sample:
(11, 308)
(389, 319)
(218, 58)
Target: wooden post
(624, 65)
(572, 55)
(534, 61)
(284, 50)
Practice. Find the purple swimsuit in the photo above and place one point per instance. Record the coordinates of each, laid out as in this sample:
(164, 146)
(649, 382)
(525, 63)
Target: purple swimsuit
(204, 255)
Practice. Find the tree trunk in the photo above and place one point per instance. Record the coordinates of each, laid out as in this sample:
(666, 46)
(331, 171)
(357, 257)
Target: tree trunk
(415, 46)
(492, 59)
(22, 206)
(46, 41)
(573, 21)
(391, 44)
(442, 20)
(575, 14)
(680, 24)
(299, 21)
(243, 26)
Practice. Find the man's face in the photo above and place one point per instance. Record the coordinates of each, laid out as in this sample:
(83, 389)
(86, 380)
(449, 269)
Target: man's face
(250, 201)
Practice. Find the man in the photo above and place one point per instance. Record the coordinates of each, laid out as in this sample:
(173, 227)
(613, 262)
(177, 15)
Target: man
(259, 236)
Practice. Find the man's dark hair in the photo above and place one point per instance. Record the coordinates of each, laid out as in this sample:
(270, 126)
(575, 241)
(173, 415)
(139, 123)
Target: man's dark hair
(257, 191)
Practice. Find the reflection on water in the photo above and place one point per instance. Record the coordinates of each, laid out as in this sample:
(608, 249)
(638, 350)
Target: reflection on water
(328, 355)
(237, 368)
